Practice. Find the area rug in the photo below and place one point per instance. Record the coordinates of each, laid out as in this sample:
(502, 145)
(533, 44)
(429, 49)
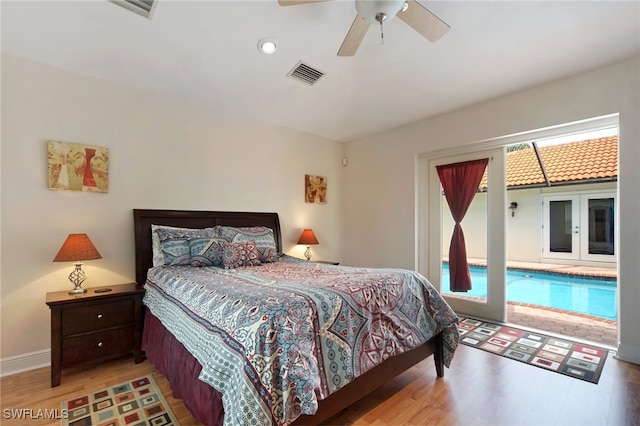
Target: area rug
(137, 402)
(557, 354)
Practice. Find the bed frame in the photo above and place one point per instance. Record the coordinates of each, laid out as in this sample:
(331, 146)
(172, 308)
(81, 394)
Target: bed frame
(328, 407)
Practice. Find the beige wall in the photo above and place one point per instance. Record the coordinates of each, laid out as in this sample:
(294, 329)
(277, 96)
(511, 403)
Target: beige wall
(381, 179)
(524, 237)
(164, 154)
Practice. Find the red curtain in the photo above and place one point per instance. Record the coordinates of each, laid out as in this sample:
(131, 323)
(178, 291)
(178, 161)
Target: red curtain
(460, 183)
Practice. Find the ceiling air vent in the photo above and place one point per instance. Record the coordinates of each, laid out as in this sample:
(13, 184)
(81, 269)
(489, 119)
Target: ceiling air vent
(141, 7)
(305, 73)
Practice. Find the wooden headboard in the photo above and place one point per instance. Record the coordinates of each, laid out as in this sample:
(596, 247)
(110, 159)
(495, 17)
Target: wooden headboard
(143, 219)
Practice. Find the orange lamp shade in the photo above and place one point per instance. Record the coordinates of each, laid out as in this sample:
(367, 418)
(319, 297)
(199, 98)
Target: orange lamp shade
(308, 237)
(75, 248)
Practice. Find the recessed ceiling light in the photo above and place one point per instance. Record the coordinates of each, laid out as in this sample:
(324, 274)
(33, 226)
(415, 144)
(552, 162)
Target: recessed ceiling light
(268, 45)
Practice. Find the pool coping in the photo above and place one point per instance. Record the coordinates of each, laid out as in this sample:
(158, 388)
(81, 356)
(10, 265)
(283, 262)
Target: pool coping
(583, 275)
(588, 272)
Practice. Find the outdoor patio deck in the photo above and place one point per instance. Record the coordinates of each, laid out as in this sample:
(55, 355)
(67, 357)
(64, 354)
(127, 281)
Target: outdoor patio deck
(582, 327)
(570, 324)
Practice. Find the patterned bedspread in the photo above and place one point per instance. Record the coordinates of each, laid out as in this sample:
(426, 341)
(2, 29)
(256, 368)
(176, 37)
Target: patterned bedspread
(275, 338)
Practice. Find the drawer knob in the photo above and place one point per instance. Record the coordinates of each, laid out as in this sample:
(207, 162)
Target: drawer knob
(99, 316)
(99, 344)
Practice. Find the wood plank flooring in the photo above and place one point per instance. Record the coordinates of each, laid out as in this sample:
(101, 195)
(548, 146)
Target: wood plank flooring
(31, 389)
(479, 389)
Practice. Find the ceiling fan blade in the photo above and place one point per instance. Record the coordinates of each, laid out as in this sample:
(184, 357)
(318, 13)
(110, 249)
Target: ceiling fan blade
(354, 37)
(295, 2)
(423, 21)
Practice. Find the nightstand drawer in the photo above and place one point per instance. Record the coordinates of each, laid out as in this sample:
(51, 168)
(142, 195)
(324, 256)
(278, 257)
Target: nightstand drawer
(94, 346)
(97, 316)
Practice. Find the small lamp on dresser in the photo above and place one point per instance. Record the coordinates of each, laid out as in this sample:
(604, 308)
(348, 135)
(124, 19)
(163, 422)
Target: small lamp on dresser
(76, 248)
(308, 238)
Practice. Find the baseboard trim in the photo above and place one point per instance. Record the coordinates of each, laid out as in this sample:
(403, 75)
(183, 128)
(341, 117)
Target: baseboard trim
(628, 353)
(25, 362)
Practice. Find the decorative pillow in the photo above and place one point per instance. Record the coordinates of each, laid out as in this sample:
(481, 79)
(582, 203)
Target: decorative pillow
(207, 251)
(174, 243)
(239, 254)
(158, 257)
(261, 235)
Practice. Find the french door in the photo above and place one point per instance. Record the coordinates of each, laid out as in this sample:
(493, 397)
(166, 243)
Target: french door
(579, 226)
(490, 232)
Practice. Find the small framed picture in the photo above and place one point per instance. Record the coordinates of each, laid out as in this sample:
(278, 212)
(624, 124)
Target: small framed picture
(315, 189)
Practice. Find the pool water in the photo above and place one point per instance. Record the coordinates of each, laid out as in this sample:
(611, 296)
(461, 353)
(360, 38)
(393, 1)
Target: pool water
(591, 296)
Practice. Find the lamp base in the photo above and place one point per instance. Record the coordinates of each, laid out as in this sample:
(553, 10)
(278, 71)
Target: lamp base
(77, 277)
(307, 253)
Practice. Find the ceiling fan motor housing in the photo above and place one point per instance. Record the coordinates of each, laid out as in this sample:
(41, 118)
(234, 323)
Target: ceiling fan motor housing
(373, 12)
(377, 11)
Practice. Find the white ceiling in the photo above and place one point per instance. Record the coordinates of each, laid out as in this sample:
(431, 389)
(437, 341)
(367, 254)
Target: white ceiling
(205, 52)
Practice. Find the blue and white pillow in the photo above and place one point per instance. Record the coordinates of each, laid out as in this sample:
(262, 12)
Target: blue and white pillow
(174, 243)
(261, 235)
(207, 251)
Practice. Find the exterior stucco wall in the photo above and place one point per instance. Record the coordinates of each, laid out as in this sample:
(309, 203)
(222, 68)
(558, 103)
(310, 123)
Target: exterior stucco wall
(524, 228)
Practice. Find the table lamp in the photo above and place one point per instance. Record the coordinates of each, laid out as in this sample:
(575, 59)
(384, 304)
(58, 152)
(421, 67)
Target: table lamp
(76, 248)
(308, 238)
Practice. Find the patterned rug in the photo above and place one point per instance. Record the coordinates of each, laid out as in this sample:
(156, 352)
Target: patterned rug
(560, 355)
(136, 402)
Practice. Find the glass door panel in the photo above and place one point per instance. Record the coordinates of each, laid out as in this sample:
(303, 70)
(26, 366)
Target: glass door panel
(598, 215)
(601, 226)
(561, 226)
(474, 226)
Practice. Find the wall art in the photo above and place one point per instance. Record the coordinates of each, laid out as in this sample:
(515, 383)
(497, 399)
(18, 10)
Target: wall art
(315, 189)
(76, 167)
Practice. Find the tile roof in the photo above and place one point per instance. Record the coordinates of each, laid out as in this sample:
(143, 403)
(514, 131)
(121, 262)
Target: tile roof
(593, 159)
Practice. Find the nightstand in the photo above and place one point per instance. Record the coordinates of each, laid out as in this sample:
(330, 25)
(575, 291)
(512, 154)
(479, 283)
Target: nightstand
(328, 262)
(95, 326)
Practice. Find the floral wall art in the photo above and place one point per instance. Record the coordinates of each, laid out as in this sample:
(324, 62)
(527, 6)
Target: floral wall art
(76, 167)
(315, 189)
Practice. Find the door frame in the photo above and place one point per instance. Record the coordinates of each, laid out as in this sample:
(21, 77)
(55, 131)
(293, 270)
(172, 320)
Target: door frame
(425, 250)
(495, 307)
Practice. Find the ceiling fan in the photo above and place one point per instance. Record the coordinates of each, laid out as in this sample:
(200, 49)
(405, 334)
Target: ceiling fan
(370, 12)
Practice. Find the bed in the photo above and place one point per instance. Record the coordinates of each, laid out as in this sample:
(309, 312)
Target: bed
(307, 381)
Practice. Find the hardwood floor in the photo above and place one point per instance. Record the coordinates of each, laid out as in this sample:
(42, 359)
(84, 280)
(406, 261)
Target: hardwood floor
(31, 390)
(479, 389)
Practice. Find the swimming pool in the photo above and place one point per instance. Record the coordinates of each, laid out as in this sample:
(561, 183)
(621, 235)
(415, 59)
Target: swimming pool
(591, 296)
